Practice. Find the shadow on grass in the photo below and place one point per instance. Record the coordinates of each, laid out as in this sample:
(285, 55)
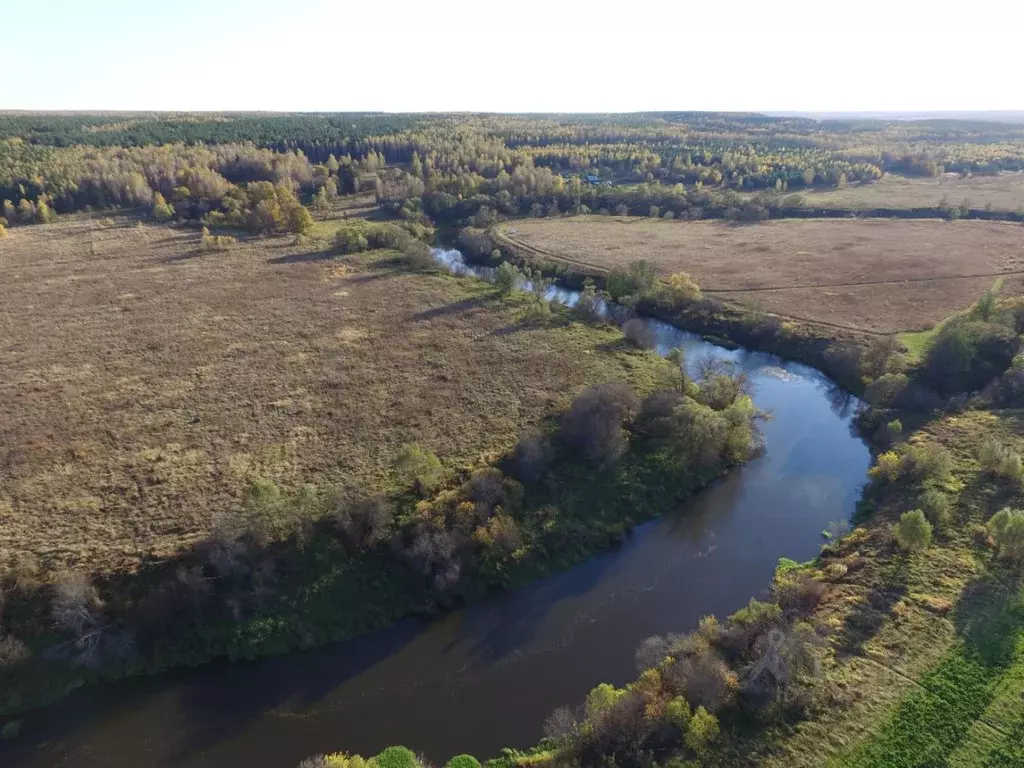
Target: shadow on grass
(532, 325)
(869, 615)
(304, 258)
(455, 308)
(990, 615)
(178, 258)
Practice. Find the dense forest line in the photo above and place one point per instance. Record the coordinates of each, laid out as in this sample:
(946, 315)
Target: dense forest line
(454, 168)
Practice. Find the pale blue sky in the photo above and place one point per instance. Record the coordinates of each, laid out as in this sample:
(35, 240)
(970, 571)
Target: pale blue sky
(515, 55)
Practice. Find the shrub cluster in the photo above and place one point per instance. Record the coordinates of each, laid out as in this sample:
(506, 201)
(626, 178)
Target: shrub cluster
(763, 660)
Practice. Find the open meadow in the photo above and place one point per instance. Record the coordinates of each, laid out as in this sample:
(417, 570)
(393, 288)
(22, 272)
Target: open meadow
(146, 382)
(873, 275)
(1001, 192)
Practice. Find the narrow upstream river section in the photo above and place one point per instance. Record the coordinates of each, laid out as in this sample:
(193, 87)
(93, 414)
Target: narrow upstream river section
(486, 677)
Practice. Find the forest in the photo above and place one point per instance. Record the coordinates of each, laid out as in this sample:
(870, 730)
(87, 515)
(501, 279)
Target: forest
(469, 169)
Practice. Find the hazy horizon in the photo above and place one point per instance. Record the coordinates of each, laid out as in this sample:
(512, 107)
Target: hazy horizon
(795, 56)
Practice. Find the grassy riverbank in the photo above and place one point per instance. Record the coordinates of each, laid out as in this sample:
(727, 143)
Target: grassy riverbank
(903, 643)
(834, 350)
(920, 654)
(296, 565)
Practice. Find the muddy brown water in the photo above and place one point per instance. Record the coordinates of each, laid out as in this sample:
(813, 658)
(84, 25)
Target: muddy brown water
(486, 677)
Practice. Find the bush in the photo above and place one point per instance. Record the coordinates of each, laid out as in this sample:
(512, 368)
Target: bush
(560, 724)
(894, 430)
(210, 243)
(884, 391)
(531, 457)
(418, 467)
(677, 713)
(588, 306)
(965, 356)
(501, 534)
(594, 424)
(365, 523)
(936, 507)
(417, 255)
(639, 334)
(799, 593)
(463, 761)
(537, 310)
(913, 531)
(638, 279)
(350, 239)
(880, 357)
(703, 679)
(397, 757)
(680, 288)
(702, 731)
(652, 651)
(506, 278)
(1007, 531)
(998, 460)
(886, 468)
(927, 462)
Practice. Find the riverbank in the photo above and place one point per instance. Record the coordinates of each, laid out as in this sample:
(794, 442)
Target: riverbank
(487, 676)
(918, 651)
(321, 583)
(834, 350)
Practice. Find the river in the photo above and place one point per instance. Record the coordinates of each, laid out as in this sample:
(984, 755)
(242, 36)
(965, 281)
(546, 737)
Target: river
(486, 677)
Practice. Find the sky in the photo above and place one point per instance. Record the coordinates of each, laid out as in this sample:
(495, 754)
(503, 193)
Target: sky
(513, 56)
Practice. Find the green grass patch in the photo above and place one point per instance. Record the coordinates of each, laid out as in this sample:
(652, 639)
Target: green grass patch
(934, 721)
(916, 343)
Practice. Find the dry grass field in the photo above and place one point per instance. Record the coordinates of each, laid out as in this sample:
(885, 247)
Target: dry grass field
(1004, 192)
(144, 382)
(875, 275)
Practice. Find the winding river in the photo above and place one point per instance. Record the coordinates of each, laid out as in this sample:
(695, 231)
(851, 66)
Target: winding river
(486, 677)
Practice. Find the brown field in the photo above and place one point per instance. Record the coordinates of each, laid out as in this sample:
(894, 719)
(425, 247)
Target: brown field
(144, 382)
(875, 275)
(1004, 192)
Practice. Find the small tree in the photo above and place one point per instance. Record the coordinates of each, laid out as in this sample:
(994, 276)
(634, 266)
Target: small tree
(397, 757)
(677, 712)
(506, 276)
(350, 240)
(913, 531)
(936, 507)
(44, 213)
(702, 731)
(639, 279)
(417, 255)
(880, 356)
(300, 220)
(26, 211)
(639, 334)
(677, 357)
(681, 287)
(1007, 530)
(985, 307)
(418, 467)
(594, 424)
(162, 210)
